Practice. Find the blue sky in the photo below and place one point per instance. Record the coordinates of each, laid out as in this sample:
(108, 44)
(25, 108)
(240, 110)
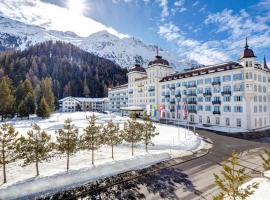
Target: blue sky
(208, 31)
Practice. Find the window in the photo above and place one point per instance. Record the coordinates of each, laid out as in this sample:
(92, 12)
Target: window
(227, 121)
(200, 99)
(200, 82)
(208, 80)
(260, 78)
(207, 108)
(207, 99)
(255, 98)
(238, 77)
(200, 119)
(217, 120)
(238, 98)
(226, 78)
(163, 86)
(238, 109)
(226, 88)
(250, 64)
(255, 109)
(200, 107)
(238, 123)
(208, 120)
(255, 77)
(227, 108)
(264, 108)
(238, 88)
(227, 98)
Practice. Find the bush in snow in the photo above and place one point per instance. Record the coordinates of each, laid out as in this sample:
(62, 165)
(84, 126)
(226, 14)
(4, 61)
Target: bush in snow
(36, 147)
(67, 140)
(8, 140)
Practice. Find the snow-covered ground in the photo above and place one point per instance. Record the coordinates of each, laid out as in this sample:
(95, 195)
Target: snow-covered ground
(171, 142)
(263, 191)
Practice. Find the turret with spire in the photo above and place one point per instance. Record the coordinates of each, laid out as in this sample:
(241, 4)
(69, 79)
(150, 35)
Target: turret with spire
(248, 53)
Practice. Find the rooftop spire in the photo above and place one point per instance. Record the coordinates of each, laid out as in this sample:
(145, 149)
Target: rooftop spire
(246, 47)
(157, 50)
(265, 63)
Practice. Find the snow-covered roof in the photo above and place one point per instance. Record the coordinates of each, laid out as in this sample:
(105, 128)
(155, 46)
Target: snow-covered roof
(132, 108)
(84, 99)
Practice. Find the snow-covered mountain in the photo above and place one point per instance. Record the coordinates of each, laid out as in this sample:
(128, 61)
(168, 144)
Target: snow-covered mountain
(125, 52)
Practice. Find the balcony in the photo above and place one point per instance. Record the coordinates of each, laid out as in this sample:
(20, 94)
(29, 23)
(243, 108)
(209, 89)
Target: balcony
(172, 109)
(172, 87)
(192, 94)
(172, 102)
(216, 83)
(192, 102)
(192, 111)
(216, 112)
(215, 102)
(178, 95)
(226, 93)
(167, 95)
(208, 93)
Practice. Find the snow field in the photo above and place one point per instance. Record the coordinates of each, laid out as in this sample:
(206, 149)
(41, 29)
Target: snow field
(171, 142)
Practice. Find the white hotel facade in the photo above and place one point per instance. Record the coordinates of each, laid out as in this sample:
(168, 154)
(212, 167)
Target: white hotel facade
(233, 94)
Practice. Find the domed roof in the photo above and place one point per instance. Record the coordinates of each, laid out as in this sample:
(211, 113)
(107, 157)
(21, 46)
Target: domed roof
(248, 53)
(137, 68)
(159, 60)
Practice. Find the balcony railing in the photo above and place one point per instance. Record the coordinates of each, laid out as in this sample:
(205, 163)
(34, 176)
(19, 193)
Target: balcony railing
(192, 111)
(226, 93)
(192, 94)
(216, 83)
(178, 95)
(207, 93)
(192, 102)
(216, 112)
(216, 102)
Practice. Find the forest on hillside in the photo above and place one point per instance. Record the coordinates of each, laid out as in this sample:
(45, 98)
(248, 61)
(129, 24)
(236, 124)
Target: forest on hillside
(73, 72)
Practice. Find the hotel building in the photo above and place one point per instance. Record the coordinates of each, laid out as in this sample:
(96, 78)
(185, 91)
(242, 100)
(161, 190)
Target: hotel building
(232, 94)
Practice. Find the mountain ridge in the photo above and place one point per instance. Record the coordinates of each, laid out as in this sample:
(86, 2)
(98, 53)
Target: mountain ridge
(124, 52)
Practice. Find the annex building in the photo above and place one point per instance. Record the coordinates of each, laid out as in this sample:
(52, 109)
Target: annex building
(233, 94)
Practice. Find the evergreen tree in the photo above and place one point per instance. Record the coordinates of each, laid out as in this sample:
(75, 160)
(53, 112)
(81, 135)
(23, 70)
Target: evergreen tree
(132, 132)
(148, 132)
(92, 137)
(233, 177)
(266, 160)
(67, 140)
(43, 109)
(7, 99)
(25, 99)
(112, 135)
(36, 147)
(45, 90)
(8, 140)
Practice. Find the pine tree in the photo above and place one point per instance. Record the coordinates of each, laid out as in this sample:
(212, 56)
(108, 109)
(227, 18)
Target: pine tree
(67, 140)
(266, 160)
(112, 135)
(132, 132)
(233, 177)
(36, 147)
(148, 132)
(25, 99)
(8, 140)
(7, 99)
(45, 90)
(92, 138)
(43, 109)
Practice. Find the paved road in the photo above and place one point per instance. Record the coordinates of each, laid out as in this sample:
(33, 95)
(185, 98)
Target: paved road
(191, 180)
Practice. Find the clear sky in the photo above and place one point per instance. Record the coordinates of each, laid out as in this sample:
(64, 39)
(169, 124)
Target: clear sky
(208, 31)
